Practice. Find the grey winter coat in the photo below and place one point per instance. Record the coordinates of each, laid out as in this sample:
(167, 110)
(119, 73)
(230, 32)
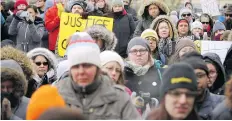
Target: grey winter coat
(102, 103)
(217, 87)
(29, 36)
(146, 20)
(19, 113)
(222, 112)
(210, 101)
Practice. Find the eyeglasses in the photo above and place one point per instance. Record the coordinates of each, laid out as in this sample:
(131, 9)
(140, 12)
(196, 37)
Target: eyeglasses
(135, 52)
(205, 22)
(230, 15)
(178, 94)
(39, 63)
(184, 15)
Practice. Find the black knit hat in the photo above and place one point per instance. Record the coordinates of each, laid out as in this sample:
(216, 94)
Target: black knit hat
(197, 63)
(179, 75)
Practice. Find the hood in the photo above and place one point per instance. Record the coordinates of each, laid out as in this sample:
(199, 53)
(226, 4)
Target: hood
(228, 63)
(11, 70)
(9, 52)
(159, 3)
(221, 76)
(230, 36)
(210, 19)
(47, 53)
(98, 32)
(166, 18)
(184, 10)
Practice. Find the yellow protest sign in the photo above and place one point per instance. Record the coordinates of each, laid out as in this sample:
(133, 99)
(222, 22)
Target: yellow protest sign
(71, 23)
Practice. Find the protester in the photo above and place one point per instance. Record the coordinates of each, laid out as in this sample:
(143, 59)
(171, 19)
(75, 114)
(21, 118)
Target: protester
(30, 31)
(205, 101)
(223, 110)
(153, 40)
(124, 26)
(183, 46)
(207, 23)
(149, 10)
(86, 83)
(218, 30)
(228, 63)
(186, 13)
(103, 6)
(105, 39)
(188, 5)
(40, 4)
(217, 76)
(43, 99)
(228, 14)
(44, 64)
(130, 10)
(174, 17)
(178, 94)
(143, 75)
(167, 34)
(113, 65)
(197, 30)
(13, 88)
(183, 29)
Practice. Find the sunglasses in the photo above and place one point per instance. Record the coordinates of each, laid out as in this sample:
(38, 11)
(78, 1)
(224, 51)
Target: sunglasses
(184, 15)
(205, 22)
(230, 15)
(39, 63)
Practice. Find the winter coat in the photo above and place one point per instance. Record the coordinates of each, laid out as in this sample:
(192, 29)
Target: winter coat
(217, 87)
(209, 30)
(210, 101)
(148, 83)
(101, 103)
(166, 47)
(146, 20)
(222, 112)
(8, 21)
(49, 77)
(15, 74)
(228, 63)
(28, 36)
(124, 27)
(131, 11)
(52, 24)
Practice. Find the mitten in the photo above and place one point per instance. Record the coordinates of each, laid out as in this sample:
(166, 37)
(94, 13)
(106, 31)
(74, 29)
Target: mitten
(6, 109)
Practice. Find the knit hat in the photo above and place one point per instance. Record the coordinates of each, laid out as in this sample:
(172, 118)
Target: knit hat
(179, 75)
(228, 9)
(138, 41)
(150, 33)
(184, 42)
(196, 24)
(218, 26)
(117, 2)
(83, 49)
(18, 2)
(109, 56)
(184, 10)
(197, 63)
(81, 3)
(42, 99)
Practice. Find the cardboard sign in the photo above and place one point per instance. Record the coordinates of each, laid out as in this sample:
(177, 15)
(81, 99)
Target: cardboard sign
(210, 7)
(71, 23)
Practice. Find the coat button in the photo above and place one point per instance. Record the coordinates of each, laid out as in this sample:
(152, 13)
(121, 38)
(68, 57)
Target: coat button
(91, 110)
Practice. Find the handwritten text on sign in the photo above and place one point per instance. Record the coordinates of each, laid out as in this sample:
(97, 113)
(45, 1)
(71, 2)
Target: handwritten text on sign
(210, 7)
(71, 23)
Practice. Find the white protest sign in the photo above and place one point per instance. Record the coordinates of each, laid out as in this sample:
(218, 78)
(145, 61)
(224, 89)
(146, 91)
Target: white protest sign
(219, 47)
(210, 7)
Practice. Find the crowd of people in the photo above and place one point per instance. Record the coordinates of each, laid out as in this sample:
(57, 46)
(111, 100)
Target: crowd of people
(148, 67)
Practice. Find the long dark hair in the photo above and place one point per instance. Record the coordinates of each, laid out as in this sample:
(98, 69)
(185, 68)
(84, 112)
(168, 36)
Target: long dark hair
(160, 113)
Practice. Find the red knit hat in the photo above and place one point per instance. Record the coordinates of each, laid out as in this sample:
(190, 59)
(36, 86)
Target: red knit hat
(18, 2)
(42, 99)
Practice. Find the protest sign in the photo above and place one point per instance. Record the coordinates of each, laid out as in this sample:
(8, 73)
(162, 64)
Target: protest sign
(218, 47)
(210, 7)
(71, 23)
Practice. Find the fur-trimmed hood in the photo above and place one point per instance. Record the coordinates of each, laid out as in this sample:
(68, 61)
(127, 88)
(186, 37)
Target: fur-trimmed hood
(230, 36)
(159, 3)
(156, 21)
(99, 32)
(11, 70)
(9, 52)
(46, 53)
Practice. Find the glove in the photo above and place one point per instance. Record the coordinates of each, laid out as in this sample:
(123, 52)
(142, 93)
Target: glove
(60, 9)
(30, 19)
(6, 109)
(137, 101)
(85, 15)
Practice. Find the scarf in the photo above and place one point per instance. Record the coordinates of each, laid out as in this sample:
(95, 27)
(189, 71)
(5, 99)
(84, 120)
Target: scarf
(165, 47)
(138, 69)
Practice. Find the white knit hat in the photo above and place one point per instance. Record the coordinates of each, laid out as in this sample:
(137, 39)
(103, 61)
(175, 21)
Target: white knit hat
(196, 24)
(109, 56)
(83, 49)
